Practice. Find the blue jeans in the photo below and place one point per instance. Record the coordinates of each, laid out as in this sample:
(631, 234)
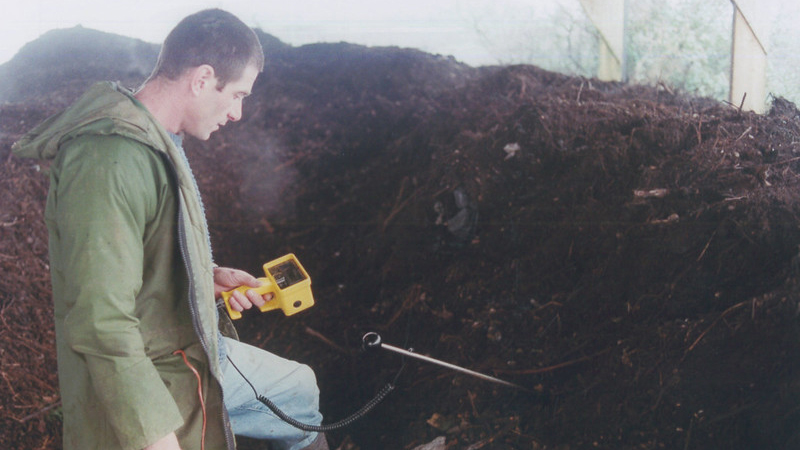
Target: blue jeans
(290, 385)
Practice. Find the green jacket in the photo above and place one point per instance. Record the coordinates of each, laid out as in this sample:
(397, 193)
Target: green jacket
(132, 278)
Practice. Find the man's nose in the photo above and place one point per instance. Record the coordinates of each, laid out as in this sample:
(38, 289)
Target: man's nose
(235, 113)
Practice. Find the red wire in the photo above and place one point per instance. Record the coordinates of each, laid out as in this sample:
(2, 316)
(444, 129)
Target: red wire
(199, 394)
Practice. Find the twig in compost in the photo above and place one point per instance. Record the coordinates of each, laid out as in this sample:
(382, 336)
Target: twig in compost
(398, 207)
(704, 333)
(707, 245)
(324, 339)
(554, 367)
(10, 384)
(699, 128)
(414, 296)
(732, 413)
(787, 161)
(743, 134)
(40, 412)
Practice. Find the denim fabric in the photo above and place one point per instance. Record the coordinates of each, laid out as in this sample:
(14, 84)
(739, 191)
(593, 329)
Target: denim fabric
(290, 385)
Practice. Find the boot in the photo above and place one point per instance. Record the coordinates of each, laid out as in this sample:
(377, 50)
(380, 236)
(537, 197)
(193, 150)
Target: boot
(320, 443)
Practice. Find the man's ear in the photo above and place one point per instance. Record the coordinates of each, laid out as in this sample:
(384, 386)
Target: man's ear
(202, 77)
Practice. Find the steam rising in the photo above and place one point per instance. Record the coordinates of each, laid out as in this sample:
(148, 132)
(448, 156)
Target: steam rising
(268, 188)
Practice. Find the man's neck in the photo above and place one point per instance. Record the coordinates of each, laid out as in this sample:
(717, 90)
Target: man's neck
(162, 98)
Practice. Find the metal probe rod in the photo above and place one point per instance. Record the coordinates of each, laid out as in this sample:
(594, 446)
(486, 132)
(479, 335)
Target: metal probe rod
(376, 342)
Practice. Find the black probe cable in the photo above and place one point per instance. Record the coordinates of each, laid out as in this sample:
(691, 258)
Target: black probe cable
(369, 406)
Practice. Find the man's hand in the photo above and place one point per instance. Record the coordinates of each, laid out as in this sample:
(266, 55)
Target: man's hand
(226, 279)
(168, 442)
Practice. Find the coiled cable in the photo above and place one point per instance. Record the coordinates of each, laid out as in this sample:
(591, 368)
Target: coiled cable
(369, 406)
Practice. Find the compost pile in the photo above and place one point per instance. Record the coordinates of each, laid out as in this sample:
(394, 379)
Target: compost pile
(627, 253)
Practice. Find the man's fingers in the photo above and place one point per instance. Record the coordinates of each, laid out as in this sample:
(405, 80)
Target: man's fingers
(242, 278)
(255, 298)
(232, 278)
(240, 301)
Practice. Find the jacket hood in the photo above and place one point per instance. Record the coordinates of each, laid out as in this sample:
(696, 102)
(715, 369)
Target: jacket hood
(106, 108)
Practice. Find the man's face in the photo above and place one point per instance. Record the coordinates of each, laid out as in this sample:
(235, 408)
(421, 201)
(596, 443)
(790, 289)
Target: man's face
(213, 108)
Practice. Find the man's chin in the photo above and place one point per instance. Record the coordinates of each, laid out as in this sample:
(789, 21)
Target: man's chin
(201, 137)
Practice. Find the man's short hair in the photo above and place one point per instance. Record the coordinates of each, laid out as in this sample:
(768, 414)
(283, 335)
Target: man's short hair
(214, 37)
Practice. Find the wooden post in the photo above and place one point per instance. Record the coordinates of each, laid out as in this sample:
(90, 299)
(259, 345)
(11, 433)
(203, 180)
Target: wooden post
(748, 65)
(608, 16)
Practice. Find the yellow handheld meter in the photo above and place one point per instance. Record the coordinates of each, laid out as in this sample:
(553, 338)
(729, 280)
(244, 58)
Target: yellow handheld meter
(288, 282)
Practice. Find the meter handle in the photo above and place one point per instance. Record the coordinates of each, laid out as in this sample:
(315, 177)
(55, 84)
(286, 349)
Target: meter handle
(265, 288)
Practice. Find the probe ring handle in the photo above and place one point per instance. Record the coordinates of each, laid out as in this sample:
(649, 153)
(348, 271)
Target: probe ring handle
(371, 340)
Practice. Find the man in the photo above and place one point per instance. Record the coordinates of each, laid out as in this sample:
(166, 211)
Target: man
(142, 363)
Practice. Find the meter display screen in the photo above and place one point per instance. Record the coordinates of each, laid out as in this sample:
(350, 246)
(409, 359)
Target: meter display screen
(286, 274)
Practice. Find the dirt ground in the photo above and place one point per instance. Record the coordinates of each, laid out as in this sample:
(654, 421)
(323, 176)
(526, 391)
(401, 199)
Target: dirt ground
(627, 253)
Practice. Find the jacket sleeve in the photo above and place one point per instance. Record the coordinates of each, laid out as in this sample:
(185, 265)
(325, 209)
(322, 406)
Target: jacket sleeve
(105, 191)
